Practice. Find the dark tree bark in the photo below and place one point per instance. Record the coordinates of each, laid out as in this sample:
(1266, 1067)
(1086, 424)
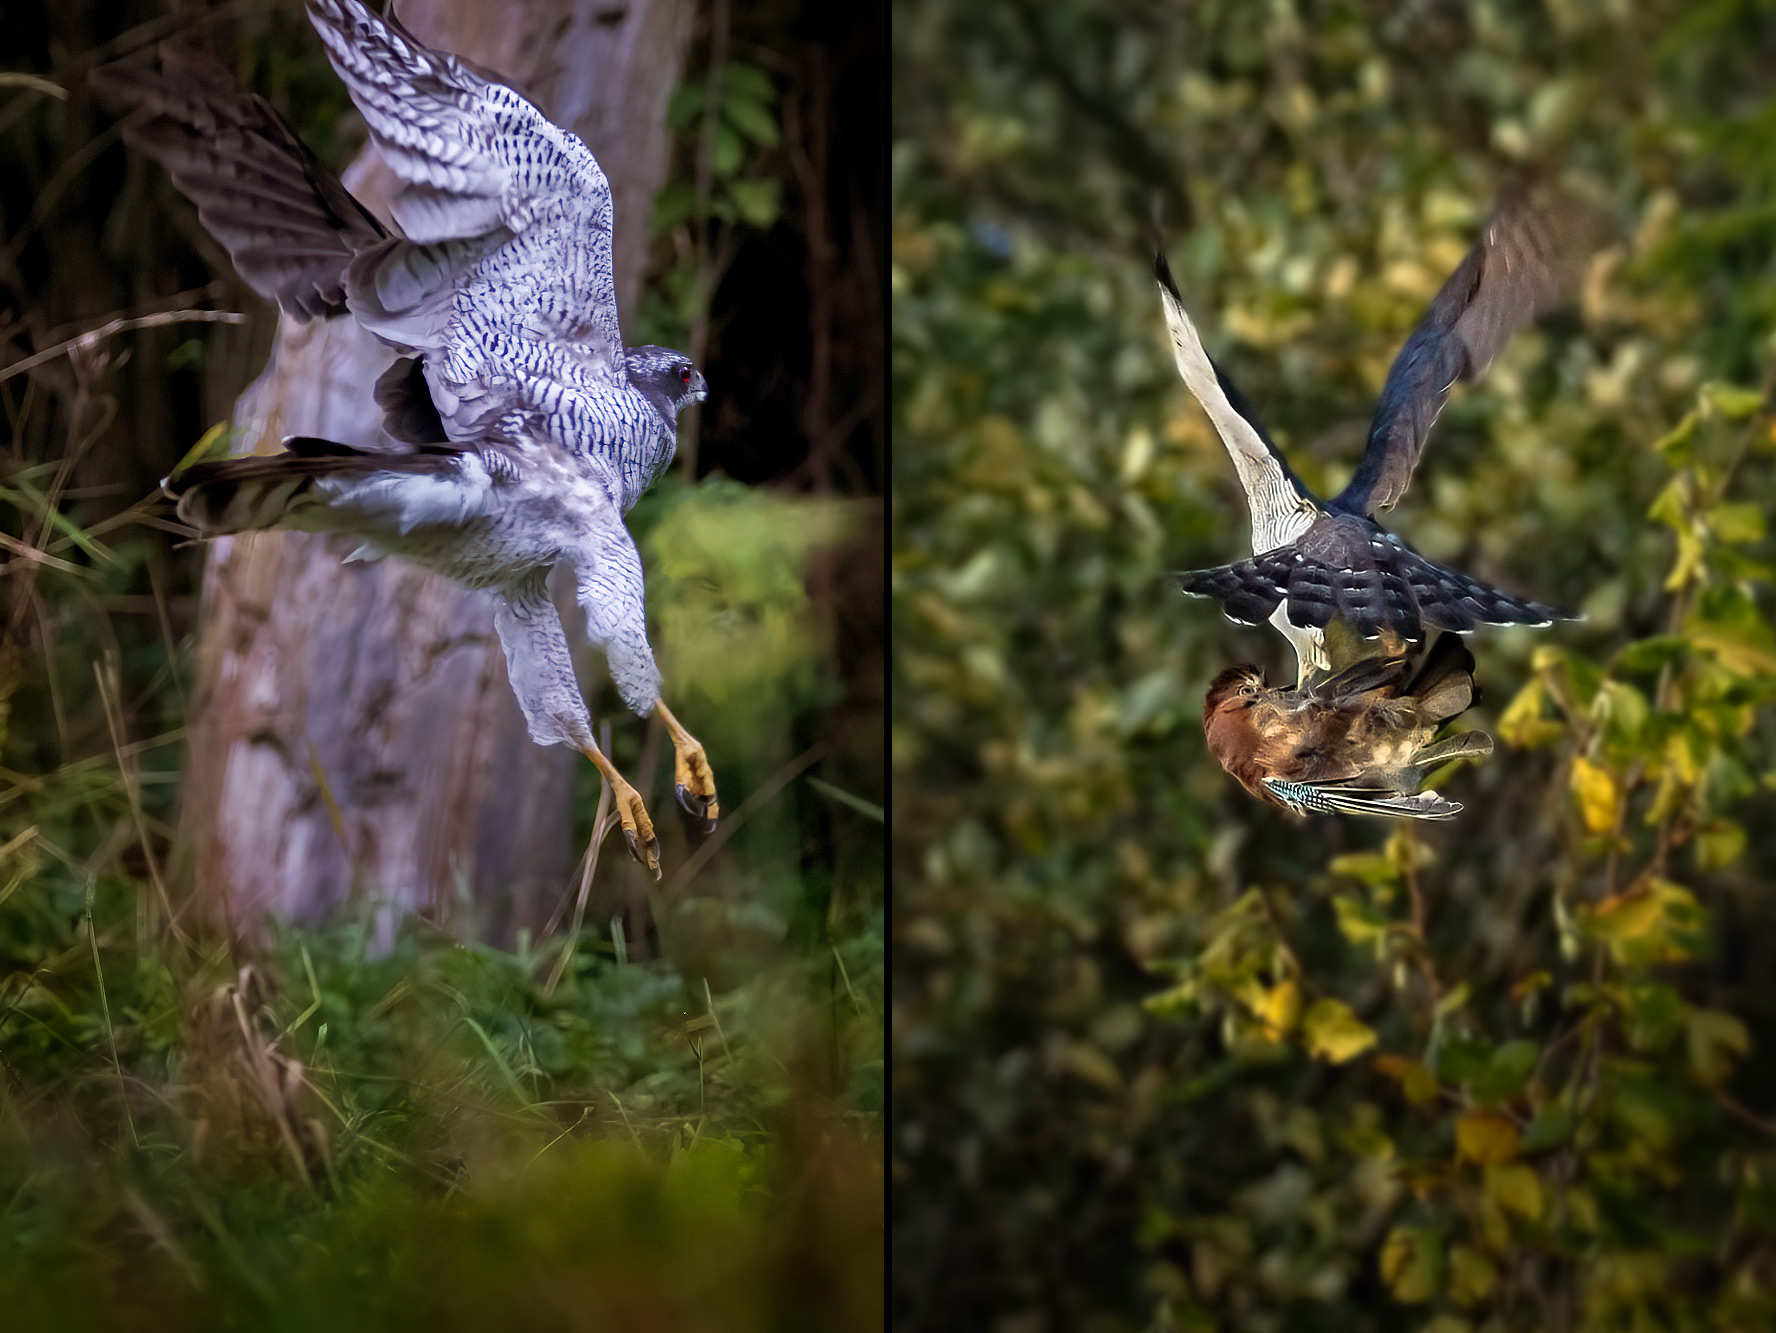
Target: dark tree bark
(352, 730)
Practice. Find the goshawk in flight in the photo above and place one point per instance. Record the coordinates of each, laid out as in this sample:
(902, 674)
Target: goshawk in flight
(1320, 562)
(1359, 743)
(519, 427)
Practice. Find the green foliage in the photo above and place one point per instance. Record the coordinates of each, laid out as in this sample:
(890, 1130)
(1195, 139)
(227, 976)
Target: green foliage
(1171, 1059)
(339, 1132)
(746, 122)
(329, 1136)
(729, 594)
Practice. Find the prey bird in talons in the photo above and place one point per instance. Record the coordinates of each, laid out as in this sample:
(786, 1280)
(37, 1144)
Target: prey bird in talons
(1359, 743)
(1317, 564)
(517, 428)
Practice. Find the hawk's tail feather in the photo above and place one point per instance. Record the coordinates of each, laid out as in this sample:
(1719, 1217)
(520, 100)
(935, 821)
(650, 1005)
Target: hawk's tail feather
(250, 494)
(1402, 592)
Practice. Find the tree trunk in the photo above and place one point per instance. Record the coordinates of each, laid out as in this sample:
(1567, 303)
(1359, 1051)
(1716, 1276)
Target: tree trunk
(352, 728)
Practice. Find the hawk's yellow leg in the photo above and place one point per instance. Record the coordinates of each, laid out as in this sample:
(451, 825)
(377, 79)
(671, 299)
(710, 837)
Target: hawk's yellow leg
(690, 769)
(638, 829)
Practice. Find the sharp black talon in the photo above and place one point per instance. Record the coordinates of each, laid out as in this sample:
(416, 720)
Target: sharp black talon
(646, 854)
(698, 808)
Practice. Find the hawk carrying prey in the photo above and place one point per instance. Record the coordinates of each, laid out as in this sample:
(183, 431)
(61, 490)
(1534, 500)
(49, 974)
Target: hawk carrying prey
(1316, 562)
(519, 429)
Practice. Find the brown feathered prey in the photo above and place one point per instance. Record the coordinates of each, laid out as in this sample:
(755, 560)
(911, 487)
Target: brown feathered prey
(1359, 743)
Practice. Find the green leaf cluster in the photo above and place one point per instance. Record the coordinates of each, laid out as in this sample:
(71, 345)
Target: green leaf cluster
(1167, 1058)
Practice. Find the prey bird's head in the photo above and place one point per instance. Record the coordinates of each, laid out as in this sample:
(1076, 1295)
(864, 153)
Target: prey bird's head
(1234, 688)
(666, 377)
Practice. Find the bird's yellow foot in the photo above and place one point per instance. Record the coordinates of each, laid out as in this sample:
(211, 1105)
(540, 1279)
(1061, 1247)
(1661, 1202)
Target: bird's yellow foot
(638, 828)
(691, 772)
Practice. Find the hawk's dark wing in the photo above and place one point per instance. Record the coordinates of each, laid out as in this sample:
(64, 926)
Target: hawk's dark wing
(1526, 261)
(287, 223)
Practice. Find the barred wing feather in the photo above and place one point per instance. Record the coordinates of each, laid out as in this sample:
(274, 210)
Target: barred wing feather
(507, 217)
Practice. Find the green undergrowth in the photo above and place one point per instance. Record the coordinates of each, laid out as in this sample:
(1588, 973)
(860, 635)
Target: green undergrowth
(317, 1136)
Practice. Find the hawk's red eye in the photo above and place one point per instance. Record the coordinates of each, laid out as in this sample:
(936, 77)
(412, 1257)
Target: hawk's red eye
(684, 374)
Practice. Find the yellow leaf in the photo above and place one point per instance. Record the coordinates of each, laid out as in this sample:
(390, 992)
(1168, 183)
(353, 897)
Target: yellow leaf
(1278, 1008)
(1741, 522)
(1714, 1039)
(1485, 1138)
(1738, 652)
(213, 442)
(1581, 1206)
(1419, 1085)
(1688, 565)
(1516, 1188)
(1471, 1275)
(1527, 986)
(1392, 1066)
(1522, 723)
(1334, 1033)
(1622, 916)
(1412, 1264)
(1598, 795)
(1731, 400)
(1089, 1064)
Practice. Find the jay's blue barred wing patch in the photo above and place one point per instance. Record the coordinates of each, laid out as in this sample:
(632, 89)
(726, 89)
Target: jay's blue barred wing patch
(1307, 799)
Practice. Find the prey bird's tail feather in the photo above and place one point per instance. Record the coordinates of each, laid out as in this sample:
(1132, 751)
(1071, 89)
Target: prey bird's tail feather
(1367, 676)
(1444, 686)
(261, 491)
(1343, 799)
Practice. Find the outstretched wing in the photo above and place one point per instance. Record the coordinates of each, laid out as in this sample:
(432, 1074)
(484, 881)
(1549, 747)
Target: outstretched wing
(1527, 260)
(1281, 506)
(287, 223)
(507, 216)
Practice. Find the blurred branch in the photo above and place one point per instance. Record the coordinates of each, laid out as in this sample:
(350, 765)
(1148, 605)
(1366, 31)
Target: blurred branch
(116, 326)
(725, 830)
